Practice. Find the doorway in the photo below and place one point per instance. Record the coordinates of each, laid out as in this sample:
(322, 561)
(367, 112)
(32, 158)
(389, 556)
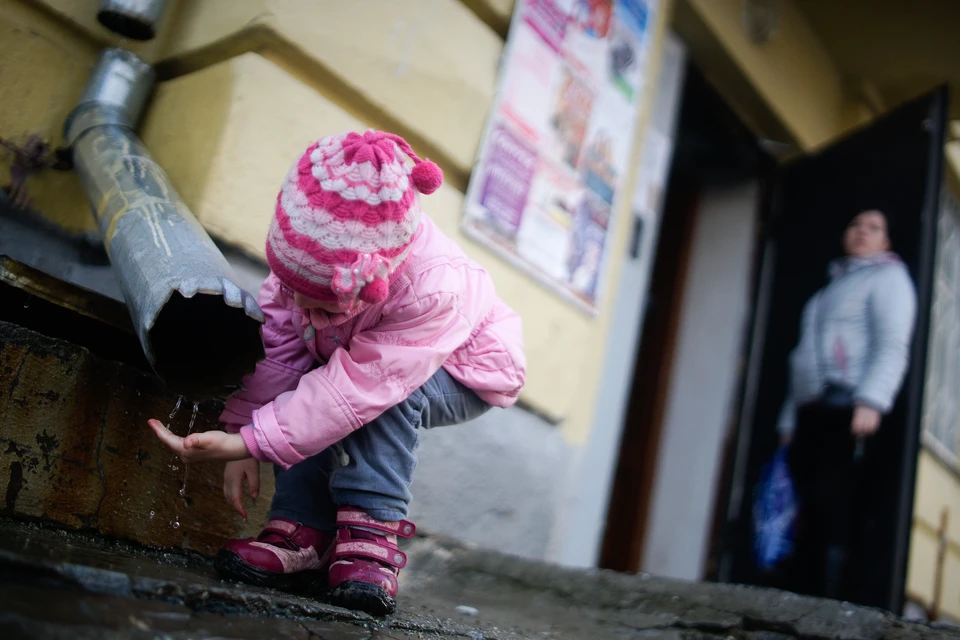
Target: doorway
(893, 165)
(658, 517)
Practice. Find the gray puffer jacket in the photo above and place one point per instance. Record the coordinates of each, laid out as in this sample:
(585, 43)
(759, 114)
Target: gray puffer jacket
(855, 332)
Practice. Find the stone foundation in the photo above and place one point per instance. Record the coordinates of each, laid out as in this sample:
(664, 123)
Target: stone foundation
(75, 449)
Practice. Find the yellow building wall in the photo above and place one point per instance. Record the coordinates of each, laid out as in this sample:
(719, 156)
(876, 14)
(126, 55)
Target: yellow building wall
(427, 67)
(792, 73)
(47, 49)
(246, 85)
(43, 67)
(937, 490)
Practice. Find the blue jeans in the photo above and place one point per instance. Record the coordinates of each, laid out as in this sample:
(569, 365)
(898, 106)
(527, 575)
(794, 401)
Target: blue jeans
(373, 467)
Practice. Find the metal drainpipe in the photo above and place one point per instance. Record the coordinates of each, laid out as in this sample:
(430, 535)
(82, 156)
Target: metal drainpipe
(136, 19)
(199, 330)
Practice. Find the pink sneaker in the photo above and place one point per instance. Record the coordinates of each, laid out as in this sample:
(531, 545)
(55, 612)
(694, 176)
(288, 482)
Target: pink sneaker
(366, 562)
(286, 555)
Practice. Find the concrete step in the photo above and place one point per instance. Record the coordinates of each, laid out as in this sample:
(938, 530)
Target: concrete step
(55, 583)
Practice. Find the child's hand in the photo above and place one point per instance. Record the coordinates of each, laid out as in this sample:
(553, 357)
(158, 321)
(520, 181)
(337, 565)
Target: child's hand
(198, 447)
(233, 474)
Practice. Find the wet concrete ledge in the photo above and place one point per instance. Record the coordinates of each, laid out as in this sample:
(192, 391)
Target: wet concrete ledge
(55, 583)
(75, 449)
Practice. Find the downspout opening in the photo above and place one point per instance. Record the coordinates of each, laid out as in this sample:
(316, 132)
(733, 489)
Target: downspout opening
(203, 332)
(134, 19)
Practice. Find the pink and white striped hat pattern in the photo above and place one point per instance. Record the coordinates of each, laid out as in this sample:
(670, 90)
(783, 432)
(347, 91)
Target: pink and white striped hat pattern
(347, 215)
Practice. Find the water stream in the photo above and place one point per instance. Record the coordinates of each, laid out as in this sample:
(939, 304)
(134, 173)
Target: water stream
(186, 467)
(174, 466)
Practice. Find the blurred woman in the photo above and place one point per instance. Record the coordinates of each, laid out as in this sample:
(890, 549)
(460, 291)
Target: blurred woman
(845, 375)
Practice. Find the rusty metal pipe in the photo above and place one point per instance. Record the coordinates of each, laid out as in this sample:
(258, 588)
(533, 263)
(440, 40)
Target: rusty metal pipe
(199, 330)
(136, 19)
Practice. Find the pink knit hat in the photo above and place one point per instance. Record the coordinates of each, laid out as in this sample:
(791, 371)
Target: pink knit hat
(347, 216)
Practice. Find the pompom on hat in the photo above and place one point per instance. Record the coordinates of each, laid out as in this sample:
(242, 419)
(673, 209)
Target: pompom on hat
(347, 216)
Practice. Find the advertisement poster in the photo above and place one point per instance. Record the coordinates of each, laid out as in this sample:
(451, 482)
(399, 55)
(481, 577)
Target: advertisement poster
(559, 137)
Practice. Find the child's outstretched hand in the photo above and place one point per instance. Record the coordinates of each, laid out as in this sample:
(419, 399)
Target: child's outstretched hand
(199, 447)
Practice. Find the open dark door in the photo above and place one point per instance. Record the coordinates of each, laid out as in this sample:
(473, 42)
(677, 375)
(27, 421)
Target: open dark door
(893, 165)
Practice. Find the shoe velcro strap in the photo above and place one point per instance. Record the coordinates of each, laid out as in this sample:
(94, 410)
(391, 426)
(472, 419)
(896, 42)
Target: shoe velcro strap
(371, 550)
(280, 527)
(357, 518)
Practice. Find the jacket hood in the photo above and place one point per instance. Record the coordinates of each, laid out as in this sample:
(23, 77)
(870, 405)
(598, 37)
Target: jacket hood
(842, 266)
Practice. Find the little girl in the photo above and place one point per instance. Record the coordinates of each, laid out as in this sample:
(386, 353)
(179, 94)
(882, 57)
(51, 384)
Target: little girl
(377, 324)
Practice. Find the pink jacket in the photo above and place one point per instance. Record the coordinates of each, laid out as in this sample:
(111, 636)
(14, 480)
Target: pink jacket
(441, 312)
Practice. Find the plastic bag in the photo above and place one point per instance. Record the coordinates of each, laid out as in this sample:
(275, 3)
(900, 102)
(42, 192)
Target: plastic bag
(774, 513)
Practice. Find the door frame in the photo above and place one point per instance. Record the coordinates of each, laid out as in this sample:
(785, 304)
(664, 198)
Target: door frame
(628, 511)
(733, 528)
(633, 488)
(590, 491)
